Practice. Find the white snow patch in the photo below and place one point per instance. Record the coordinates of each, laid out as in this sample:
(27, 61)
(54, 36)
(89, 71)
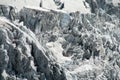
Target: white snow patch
(76, 5)
(19, 4)
(57, 50)
(33, 65)
(115, 2)
(83, 68)
(4, 74)
(37, 8)
(69, 5)
(49, 4)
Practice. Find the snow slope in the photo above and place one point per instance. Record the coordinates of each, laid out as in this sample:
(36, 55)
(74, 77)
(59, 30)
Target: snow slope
(20, 3)
(70, 5)
(76, 5)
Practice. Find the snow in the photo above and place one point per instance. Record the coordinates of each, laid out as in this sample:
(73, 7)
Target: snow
(5, 20)
(115, 2)
(33, 65)
(19, 4)
(57, 50)
(37, 8)
(49, 4)
(70, 5)
(4, 74)
(83, 68)
(75, 5)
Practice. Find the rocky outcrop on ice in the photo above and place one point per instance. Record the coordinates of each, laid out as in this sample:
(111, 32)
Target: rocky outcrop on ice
(47, 44)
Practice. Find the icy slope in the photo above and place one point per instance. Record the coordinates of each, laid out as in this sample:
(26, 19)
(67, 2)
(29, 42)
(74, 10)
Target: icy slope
(21, 55)
(19, 4)
(70, 5)
(50, 44)
(85, 45)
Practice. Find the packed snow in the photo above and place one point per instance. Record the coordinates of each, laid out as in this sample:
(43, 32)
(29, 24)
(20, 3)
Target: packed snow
(70, 5)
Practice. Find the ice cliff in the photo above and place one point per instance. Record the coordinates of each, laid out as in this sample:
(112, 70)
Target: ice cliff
(69, 44)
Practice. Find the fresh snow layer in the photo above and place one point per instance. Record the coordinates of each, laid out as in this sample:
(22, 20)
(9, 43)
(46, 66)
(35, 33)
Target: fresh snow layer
(19, 4)
(37, 8)
(76, 5)
(49, 4)
(70, 5)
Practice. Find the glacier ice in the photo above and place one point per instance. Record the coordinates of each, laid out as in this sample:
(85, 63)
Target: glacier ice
(50, 44)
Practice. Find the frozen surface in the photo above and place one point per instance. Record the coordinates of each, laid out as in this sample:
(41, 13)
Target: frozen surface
(48, 43)
(70, 5)
(57, 50)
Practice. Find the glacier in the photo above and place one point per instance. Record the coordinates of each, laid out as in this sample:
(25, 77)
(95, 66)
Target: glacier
(79, 42)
